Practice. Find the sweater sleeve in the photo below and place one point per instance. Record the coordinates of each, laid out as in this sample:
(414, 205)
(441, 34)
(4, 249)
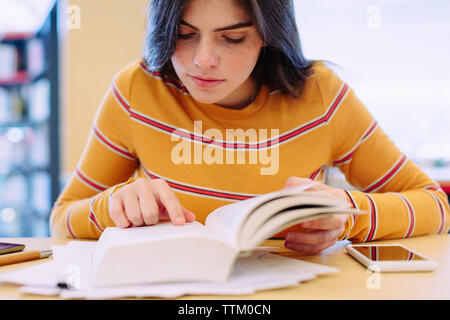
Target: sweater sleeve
(399, 198)
(108, 161)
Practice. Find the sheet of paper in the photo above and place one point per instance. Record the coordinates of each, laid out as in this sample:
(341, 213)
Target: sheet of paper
(259, 270)
(249, 276)
(74, 263)
(41, 290)
(43, 274)
(71, 262)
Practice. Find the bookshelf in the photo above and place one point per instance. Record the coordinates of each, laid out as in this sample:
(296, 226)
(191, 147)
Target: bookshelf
(29, 120)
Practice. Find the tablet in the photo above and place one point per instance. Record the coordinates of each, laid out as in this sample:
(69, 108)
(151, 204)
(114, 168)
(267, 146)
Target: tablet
(390, 258)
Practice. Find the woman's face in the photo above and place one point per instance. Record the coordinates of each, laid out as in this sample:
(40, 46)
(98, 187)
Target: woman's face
(217, 49)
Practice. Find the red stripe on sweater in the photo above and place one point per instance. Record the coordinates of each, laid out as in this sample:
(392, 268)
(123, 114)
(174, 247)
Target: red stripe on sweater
(197, 190)
(69, 228)
(112, 146)
(411, 215)
(235, 145)
(94, 220)
(373, 219)
(89, 181)
(392, 172)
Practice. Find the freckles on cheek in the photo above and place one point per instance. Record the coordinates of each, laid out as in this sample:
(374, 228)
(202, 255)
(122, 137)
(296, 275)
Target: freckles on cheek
(251, 53)
(232, 59)
(181, 57)
(243, 60)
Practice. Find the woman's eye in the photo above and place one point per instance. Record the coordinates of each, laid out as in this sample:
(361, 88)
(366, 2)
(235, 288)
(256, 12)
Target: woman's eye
(227, 39)
(231, 40)
(185, 36)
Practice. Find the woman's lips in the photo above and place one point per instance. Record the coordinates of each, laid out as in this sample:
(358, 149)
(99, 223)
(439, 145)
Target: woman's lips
(205, 83)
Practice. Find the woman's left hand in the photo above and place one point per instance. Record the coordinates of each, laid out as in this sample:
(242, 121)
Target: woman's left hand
(320, 233)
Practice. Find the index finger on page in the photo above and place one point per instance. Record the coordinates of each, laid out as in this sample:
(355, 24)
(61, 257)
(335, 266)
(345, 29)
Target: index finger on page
(165, 195)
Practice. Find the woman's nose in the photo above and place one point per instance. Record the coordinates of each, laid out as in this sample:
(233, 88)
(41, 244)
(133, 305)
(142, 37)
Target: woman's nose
(205, 55)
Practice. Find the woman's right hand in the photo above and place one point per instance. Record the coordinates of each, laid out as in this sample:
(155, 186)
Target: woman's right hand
(146, 202)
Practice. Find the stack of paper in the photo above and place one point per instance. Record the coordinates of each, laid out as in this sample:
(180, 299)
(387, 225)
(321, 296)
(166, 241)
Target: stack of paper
(72, 266)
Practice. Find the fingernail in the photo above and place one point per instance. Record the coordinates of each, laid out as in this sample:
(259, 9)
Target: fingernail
(179, 220)
(192, 216)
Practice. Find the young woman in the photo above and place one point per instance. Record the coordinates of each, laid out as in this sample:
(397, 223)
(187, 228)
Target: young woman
(165, 143)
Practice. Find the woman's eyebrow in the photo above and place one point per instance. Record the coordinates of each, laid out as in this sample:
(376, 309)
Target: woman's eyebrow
(234, 26)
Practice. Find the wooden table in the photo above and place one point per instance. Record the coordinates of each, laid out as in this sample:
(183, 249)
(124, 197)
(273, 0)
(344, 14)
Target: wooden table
(352, 282)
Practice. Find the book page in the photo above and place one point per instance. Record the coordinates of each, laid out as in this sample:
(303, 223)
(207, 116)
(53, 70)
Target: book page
(227, 220)
(161, 231)
(289, 218)
(265, 212)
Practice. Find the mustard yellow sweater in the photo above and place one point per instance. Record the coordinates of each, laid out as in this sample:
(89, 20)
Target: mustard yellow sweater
(149, 126)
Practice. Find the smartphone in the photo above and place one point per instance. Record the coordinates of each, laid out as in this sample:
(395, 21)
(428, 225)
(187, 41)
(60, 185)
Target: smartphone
(10, 247)
(390, 258)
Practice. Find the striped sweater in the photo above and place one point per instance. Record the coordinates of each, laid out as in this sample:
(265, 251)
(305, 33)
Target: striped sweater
(149, 126)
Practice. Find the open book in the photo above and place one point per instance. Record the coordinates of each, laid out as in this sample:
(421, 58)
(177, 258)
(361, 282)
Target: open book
(196, 252)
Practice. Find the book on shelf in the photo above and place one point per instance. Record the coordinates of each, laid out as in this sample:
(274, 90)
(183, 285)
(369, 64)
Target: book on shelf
(196, 252)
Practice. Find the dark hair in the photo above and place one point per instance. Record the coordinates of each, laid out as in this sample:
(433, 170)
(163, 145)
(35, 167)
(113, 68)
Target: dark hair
(281, 64)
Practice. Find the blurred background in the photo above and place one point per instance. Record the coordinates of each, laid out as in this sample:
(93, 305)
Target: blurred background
(58, 58)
